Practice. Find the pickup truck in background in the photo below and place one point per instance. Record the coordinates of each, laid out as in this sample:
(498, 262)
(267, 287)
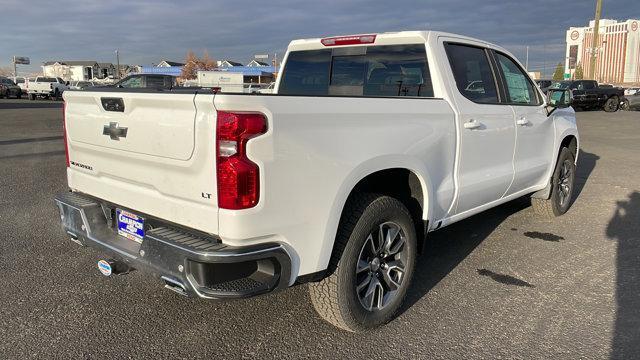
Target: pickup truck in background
(588, 95)
(47, 87)
(368, 143)
(146, 81)
(23, 83)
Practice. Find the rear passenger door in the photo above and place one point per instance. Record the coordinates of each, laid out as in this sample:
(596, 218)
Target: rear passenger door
(487, 129)
(534, 128)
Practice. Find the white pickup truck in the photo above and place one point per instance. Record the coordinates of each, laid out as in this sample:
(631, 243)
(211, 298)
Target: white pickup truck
(368, 143)
(48, 87)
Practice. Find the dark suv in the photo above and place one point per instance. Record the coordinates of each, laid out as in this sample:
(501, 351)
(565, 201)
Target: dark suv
(9, 88)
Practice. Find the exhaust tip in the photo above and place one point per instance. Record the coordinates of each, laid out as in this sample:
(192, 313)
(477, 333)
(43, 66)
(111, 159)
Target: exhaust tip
(174, 285)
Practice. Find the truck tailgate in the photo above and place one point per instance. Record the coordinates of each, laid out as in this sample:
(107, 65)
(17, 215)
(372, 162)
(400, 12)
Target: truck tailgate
(155, 156)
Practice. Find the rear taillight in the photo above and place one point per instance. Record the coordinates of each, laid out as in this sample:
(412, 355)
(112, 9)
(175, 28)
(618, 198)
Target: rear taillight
(238, 177)
(349, 40)
(64, 133)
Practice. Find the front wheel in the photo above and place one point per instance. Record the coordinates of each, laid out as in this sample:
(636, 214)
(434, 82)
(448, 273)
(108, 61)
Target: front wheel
(562, 183)
(372, 264)
(624, 105)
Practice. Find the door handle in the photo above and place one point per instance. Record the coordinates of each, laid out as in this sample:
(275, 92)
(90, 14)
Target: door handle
(522, 121)
(472, 124)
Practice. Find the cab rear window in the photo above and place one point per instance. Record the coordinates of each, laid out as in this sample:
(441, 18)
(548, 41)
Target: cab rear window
(387, 71)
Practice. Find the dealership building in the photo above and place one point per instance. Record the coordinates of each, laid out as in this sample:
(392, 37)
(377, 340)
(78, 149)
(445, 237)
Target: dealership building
(617, 51)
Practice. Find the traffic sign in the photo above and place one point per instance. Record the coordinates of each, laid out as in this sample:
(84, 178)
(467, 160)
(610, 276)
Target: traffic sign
(21, 60)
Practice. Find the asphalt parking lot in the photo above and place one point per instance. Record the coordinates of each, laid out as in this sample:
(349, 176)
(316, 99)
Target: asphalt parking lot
(503, 284)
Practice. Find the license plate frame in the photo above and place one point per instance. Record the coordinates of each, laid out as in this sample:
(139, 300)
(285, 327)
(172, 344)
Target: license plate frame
(130, 225)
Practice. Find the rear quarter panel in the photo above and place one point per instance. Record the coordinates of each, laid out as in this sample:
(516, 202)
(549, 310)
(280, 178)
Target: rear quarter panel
(317, 148)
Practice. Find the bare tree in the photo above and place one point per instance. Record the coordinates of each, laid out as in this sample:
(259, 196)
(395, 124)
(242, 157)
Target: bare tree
(193, 63)
(6, 71)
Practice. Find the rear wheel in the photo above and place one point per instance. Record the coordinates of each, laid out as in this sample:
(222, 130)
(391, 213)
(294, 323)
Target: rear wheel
(372, 264)
(32, 96)
(612, 104)
(562, 183)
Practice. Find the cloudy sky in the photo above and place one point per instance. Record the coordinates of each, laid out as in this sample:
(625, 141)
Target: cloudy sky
(147, 31)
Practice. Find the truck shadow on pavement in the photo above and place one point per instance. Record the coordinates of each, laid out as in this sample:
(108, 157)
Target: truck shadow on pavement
(586, 164)
(30, 105)
(446, 248)
(624, 227)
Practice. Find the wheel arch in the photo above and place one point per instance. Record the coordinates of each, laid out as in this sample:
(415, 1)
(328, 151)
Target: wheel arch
(570, 140)
(372, 176)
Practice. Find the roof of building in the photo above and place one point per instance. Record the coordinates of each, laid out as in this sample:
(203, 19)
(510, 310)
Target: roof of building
(162, 70)
(232, 63)
(257, 63)
(250, 70)
(171, 63)
(73, 63)
(105, 65)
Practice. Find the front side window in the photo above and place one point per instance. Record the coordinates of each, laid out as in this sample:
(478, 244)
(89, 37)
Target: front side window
(519, 88)
(390, 71)
(472, 72)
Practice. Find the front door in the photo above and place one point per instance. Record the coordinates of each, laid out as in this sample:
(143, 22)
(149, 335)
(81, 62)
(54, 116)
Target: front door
(534, 128)
(487, 129)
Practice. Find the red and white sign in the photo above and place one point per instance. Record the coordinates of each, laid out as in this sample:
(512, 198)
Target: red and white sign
(575, 35)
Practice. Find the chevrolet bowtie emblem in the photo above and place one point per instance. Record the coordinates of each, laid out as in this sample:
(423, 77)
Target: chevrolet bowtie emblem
(114, 131)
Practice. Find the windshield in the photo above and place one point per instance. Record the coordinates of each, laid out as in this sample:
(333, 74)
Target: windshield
(560, 85)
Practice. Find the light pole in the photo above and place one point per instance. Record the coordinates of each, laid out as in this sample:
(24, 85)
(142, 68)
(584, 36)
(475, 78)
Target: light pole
(596, 41)
(117, 64)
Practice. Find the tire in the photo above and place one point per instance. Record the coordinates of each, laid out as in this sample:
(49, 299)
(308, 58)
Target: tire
(624, 105)
(19, 95)
(612, 104)
(32, 96)
(563, 178)
(354, 262)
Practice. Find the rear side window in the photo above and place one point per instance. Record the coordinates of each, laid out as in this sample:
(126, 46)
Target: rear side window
(47, 79)
(472, 72)
(155, 81)
(389, 71)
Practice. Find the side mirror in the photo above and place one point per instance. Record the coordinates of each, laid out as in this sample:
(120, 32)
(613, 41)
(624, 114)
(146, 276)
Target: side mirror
(558, 99)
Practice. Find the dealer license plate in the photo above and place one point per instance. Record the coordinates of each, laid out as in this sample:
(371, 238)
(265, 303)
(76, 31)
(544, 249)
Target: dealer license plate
(130, 225)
